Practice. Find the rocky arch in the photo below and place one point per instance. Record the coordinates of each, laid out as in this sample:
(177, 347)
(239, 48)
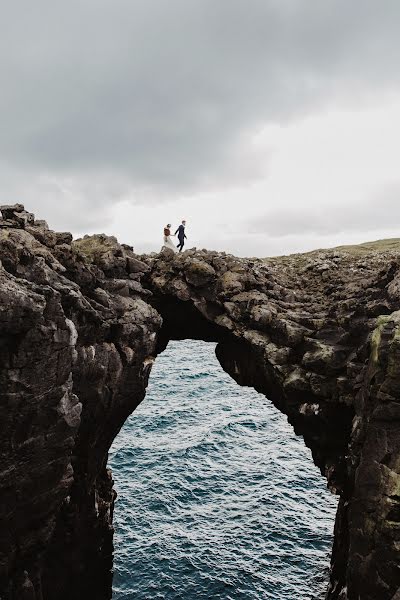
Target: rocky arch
(80, 325)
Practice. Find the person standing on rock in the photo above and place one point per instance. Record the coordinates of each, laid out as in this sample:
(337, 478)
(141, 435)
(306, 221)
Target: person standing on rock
(168, 243)
(181, 235)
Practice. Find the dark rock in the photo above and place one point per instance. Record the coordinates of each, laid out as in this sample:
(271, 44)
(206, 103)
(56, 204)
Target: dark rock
(17, 213)
(199, 273)
(63, 238)
(81, 323)
(41, 223)
(136, 266)
(8, 210)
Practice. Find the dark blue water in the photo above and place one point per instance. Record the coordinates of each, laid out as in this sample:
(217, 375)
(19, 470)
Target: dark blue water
(217, 497)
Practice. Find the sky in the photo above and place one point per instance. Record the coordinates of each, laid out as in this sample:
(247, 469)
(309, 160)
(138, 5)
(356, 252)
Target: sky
(271, 126)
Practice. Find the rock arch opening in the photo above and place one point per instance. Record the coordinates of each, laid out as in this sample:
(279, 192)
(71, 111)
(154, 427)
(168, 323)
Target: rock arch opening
(324, 425)
(209, 475)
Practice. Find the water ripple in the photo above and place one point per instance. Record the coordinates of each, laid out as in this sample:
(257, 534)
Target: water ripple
(217, 499)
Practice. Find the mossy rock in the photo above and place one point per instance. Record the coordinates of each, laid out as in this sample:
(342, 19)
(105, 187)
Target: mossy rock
(376, 336)
(95, 247)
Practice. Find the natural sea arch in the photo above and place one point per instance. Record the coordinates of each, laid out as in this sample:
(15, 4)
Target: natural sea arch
(323, 365)
(83, 321)
(216, 496)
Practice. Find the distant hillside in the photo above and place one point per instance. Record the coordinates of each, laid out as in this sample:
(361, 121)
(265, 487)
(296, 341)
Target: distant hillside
(390, 246)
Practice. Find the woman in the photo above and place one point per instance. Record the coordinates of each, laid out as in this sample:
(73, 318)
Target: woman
(168, 243)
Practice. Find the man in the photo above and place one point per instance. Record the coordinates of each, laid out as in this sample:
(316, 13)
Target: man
(181, 235)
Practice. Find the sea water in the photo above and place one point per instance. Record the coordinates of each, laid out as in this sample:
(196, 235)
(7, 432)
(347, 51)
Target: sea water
(217, 498)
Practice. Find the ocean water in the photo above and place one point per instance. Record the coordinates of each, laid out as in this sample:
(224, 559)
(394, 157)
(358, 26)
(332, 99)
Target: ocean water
(217, 498)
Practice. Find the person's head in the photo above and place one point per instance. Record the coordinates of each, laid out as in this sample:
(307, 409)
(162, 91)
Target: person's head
(183, 222)
(169, 225)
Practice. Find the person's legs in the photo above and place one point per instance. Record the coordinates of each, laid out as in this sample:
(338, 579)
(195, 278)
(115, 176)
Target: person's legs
(181, 244)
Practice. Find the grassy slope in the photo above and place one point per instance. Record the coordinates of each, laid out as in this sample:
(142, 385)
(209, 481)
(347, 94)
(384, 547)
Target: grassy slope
(391, 246)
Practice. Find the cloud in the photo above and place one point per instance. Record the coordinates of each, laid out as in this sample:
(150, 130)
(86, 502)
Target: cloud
(378, 212)
(79, 202)
(167, 94)
(121, 115)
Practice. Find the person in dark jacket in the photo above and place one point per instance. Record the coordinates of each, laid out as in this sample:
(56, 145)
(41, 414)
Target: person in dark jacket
(181, 235)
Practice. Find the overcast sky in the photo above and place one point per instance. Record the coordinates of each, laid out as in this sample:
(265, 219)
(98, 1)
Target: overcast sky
(272, 126)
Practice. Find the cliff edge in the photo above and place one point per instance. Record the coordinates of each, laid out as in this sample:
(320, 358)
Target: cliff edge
(81, 323)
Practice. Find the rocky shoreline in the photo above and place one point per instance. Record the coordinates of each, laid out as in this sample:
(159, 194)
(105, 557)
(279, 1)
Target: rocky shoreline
(81, 323)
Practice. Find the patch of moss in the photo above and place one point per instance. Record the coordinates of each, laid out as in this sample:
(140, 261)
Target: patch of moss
(381, 322)
(396, 335)
(95, 246)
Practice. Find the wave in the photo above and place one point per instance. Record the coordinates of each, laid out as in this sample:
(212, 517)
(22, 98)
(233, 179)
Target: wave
(216, 496)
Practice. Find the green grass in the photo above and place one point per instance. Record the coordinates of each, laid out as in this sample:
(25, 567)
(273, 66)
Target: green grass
(391, 245)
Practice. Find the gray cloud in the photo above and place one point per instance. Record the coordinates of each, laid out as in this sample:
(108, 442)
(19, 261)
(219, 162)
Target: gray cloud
(164, 93)
(379, 211)
(75, 203)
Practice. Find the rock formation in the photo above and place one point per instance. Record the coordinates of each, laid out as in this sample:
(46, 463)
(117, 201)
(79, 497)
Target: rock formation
(81, 323)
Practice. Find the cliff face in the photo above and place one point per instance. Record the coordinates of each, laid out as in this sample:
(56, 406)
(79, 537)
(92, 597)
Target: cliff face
(77, 344)
(80, 325)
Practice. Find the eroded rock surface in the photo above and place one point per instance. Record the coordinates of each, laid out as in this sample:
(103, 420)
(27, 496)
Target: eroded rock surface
(80, 325)
(77, 343)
